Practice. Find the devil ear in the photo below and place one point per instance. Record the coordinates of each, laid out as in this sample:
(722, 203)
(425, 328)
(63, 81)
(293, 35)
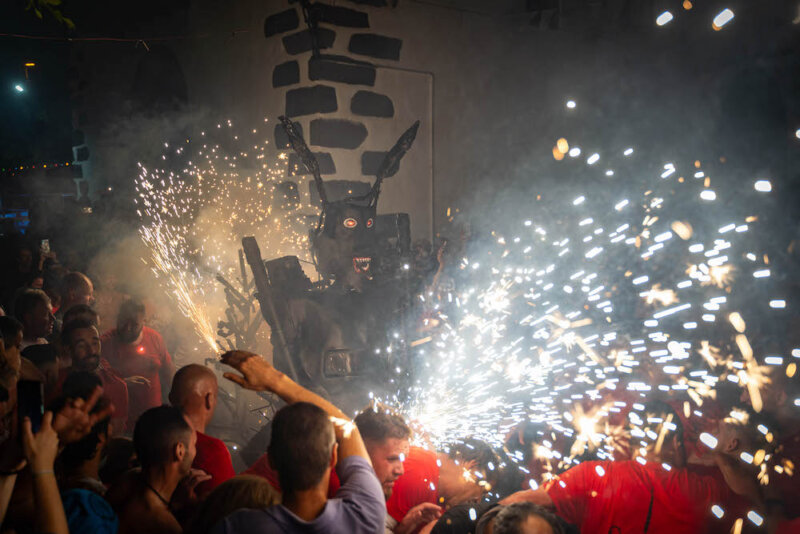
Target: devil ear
(391, 162)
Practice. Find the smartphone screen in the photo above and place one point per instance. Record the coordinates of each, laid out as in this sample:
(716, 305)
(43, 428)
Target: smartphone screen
(30, 403)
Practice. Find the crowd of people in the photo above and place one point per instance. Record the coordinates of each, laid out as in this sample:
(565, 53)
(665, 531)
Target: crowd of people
(123, 443)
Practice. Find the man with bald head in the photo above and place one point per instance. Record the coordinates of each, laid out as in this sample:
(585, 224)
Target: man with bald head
(194, 392)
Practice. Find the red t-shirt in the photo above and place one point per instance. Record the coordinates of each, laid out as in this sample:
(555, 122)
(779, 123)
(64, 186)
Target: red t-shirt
(214, 458)
(114, 388)
(146, 359)
(418, 483)
(262, 469)
(603, 497)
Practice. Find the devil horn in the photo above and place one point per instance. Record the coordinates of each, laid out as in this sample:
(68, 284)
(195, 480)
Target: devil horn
(301, 148)
(391, 162)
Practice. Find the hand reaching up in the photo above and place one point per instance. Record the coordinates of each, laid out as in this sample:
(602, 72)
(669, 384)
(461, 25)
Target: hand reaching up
(257, 374)
(74, 420)
(40, 448)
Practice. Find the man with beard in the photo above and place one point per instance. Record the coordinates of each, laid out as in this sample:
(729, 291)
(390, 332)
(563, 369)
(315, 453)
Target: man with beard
(138, 354)
(165, 445)
(81, 344)
(386, 438)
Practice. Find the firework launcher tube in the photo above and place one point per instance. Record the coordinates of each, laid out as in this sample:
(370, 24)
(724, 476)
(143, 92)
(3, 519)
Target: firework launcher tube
(253, 255)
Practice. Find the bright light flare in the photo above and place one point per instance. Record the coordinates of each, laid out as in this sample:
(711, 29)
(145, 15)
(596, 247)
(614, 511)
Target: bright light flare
(763, 186)
(724, 17)
(664, 18)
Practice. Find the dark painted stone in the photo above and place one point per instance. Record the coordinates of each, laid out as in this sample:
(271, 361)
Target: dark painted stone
(281, 139)
(281, 22)
(77, 171)
(341, 69)
(370, 161)
(82, 154)
(337, 190)
(371, 104)
(341, 16)
(78, 137)
(297, 43)
(297, 168)
(286, 74)
(308, 100)
(370, 44)
(337, 133)
(376, 3)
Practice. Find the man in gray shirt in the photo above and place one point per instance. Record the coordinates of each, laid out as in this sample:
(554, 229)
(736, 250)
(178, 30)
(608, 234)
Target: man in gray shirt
(309, 438)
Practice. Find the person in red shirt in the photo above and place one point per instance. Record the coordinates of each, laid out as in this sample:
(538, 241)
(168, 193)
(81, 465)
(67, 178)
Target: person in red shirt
(654, 492)
(436, 477)
(194, 391)
(81, 343)
(138, 354)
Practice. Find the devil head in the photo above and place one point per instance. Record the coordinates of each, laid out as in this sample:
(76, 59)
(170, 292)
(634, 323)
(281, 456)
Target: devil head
(343, 242)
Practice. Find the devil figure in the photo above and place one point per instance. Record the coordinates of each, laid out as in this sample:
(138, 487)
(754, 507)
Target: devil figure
(342, 337)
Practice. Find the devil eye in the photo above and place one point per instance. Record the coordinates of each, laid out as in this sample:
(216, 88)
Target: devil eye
(370, 222)
(350, 222)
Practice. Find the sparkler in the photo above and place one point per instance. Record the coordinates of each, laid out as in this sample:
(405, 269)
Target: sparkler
(195, 207)
(610, 298)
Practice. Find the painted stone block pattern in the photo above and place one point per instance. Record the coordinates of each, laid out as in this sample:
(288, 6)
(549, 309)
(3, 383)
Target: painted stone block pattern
(371, 104)
(286, 74)
(337, 133)
(297, 43)
(282, 22)
(373, 45)
(342, 70)
(309, 100)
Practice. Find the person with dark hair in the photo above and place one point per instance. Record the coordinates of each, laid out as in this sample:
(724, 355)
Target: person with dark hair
(165, 445)
(525, 518)
(194, 392)
(310, 437)
(139, 355)
(32, 308)
(81, 311)
(386, 437)
(80, 342)
(440, 478)
(467, 518)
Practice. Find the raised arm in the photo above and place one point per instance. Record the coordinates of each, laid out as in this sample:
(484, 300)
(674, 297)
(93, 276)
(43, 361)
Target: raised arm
(259, 375)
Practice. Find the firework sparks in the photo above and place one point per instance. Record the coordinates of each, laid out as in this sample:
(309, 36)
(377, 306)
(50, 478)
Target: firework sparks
(561, 316)
(197, 205)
